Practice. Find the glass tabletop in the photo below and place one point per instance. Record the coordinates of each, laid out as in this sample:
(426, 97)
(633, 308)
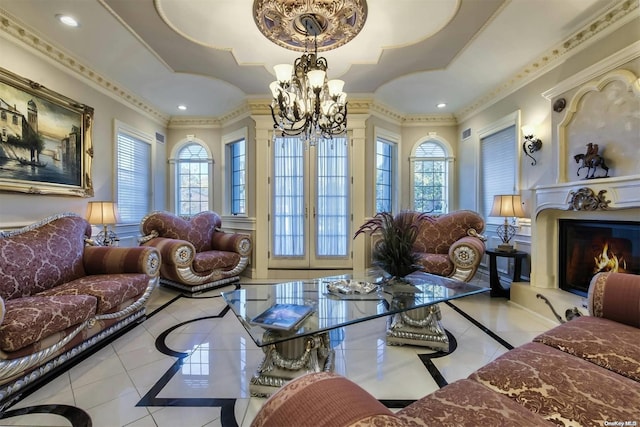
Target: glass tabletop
(331, 310)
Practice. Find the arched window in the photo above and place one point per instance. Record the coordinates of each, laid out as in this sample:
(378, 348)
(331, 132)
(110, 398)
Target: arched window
(192, 174)
(431, 175)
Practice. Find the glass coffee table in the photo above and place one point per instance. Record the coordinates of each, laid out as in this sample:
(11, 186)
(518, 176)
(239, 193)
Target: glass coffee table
(411, 305)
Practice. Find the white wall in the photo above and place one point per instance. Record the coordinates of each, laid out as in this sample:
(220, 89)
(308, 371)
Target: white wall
(18, 209)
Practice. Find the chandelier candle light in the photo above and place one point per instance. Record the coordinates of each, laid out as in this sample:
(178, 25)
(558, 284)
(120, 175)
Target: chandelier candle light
(305, 103)
(507, 205)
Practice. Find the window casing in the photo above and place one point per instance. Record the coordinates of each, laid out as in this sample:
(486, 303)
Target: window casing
(431, 175)
(237, 177)
(192, 174)
(133, 176)
(385, 182)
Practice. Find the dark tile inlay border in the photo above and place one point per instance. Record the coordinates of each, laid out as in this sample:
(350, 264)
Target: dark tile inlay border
(79, 418)
(76, 416)
(226, 405)
(480, 326)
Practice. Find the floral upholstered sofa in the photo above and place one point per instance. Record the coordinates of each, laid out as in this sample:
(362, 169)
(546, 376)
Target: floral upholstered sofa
(196, 254)
(451, 245)
(585, 372)
(60, 296)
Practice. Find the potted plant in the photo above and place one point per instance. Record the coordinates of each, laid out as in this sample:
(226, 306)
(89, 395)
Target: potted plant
(393, 251)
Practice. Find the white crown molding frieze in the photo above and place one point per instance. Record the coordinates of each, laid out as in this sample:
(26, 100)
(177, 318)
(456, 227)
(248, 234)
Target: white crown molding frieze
(432, 120)
(614, 61)
(14, 29)
(183, 122)
(621, 12)
(617, 15)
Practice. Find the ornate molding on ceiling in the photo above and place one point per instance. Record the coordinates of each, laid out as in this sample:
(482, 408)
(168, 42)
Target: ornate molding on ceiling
(618, 14)
(621, 12)
(336, 22)
(179, 122)
(17, 30)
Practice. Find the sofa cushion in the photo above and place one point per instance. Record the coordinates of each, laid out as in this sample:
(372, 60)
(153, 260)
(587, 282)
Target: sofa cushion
(437, 235)
(439, 264)
(110, 290)
(324, 399)
(204, 262)
(561, 388)
(42, 258)
(30, 319)
(582, 337)
(615, 296)
(468, 403)
(197, 230)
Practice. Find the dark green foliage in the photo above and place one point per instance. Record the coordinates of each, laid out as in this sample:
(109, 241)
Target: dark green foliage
(394, 252)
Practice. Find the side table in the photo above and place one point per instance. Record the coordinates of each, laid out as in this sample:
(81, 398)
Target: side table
(497, 290)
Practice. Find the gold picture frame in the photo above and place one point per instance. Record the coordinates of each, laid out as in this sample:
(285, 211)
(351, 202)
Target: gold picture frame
(45, 140)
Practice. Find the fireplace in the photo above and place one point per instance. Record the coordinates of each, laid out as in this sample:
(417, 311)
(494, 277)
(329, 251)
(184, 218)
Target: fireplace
(587, 247)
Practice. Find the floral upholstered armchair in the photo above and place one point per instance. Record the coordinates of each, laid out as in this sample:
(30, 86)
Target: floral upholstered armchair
(196, 254)
(451, 245)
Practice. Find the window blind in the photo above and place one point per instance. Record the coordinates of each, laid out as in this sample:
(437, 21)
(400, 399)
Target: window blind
(497, 168)
(133, 178)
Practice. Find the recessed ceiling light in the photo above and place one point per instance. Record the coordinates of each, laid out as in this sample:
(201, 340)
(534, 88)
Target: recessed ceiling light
(67, 20)
(441, 105)
(182, 107)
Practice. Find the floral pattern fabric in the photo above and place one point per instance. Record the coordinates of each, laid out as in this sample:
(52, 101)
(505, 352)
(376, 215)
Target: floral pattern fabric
(31, 319)
(565, 390)
(42, 258)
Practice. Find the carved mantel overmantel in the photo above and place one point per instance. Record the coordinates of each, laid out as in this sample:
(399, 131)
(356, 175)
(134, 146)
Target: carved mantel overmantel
(622, 193)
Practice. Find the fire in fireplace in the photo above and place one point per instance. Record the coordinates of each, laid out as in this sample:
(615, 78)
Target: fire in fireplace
(588, 247)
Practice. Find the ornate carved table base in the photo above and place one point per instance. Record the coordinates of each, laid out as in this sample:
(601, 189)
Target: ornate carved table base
(420, 327)
(287, 360)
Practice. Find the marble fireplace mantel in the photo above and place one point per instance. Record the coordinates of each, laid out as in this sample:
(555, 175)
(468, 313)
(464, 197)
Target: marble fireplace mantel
(620, 197)
(623, 192)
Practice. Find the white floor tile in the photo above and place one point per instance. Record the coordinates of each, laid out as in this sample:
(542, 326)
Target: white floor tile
(223, 358)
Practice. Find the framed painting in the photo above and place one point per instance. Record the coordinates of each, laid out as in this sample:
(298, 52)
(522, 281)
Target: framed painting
(45, 140)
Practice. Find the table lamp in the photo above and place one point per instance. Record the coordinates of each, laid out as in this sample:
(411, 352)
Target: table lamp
(105, 214)
(506, 205)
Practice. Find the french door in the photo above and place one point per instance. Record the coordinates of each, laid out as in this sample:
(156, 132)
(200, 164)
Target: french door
(310, 211)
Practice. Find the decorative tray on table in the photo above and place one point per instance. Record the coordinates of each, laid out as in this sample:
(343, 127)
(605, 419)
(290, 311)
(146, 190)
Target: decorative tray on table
(352, 289)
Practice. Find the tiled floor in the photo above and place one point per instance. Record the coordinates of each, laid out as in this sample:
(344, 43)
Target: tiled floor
(130, 382)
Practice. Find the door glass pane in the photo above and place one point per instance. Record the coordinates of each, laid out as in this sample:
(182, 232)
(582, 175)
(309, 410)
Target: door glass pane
(288, 197)
(332, 198)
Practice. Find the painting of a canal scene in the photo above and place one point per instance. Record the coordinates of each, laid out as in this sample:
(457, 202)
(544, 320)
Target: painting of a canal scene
(45, 140)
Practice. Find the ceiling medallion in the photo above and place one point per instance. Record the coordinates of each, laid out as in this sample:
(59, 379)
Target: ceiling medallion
(281, 21)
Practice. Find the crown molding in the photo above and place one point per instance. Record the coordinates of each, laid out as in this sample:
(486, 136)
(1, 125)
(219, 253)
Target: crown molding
(433, 120)
(180, 122)
(14, 29)
(619, 58)
(610, 19)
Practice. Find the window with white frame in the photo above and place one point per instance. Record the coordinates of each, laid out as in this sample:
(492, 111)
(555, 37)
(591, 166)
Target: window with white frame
(237, 177)
(385, 161)
(192, 173)
(497, 168)
(430, 166)
(133, 175)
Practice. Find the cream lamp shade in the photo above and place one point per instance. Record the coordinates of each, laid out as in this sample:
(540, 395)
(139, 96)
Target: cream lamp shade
(104, 213)
(507, 205)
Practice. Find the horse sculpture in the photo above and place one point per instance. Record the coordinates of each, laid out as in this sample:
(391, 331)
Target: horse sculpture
(591, 160)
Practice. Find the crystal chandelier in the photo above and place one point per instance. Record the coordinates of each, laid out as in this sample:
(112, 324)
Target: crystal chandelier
(305, 103)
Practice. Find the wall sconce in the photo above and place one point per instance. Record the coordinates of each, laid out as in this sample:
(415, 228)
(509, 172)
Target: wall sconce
(507, 205)
(531, 143)
(105, 214)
